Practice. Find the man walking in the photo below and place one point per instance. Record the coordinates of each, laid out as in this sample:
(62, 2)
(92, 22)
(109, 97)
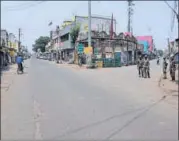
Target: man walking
(172, 69)
(165, 64)
(139, 66)
(146, 67)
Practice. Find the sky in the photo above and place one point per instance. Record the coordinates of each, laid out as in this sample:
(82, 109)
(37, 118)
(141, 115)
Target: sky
(150, 17)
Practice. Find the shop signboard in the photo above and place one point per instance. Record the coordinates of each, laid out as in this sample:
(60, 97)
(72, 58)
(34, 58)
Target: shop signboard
(88, 50)
(80, 48)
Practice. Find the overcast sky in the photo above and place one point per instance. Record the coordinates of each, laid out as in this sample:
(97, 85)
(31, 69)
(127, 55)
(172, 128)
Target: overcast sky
(150, 18)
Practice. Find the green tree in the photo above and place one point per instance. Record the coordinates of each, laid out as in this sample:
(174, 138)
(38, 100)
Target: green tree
(160, 52)
(40, 43)
(74, 33)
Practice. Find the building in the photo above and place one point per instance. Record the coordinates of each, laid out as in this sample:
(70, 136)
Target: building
(4, 38)
(12, 46)
(4, 48)
(62, 41)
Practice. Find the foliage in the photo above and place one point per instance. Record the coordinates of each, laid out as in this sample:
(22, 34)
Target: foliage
(160, 52)
(74, 33)
(40, 43)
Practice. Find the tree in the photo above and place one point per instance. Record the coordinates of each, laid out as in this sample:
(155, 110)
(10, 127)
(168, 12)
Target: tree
(40, 43)
(74, 33)
(160, 52)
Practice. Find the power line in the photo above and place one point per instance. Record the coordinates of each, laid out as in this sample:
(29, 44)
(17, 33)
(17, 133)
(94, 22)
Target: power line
(171, 7)
(173, 15)
(17, 6)
(29, 6)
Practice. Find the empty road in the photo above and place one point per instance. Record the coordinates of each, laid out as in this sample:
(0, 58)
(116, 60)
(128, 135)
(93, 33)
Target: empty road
(53, 102)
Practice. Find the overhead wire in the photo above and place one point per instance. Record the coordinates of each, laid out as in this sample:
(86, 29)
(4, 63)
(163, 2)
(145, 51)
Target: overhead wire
(19, 5)
(23, 8)
(170, 7)
(173, 16)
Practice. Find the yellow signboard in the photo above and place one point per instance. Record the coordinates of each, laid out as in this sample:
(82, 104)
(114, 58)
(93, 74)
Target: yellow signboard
(11, 53)
(14, 45)
(86, 28)
(88, 50)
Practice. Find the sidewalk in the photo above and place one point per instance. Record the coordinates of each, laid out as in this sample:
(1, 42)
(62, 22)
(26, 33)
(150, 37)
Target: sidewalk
(170, 87)
(7, 77)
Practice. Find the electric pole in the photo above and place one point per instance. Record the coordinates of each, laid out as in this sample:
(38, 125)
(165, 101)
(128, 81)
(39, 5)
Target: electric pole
(129, 26)
(89, 23)
(19, 43)
(130, 14)
(89, 29)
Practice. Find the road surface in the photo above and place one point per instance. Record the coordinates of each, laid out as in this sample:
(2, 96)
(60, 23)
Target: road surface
(53, 102)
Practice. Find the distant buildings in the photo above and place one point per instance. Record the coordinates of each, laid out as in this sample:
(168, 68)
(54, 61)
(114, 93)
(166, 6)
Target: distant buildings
(61, 39)
(8, 48)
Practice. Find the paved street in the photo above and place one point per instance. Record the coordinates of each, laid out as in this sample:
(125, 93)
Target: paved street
(51, 101)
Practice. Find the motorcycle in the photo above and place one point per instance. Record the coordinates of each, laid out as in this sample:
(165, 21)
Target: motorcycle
(19, 69)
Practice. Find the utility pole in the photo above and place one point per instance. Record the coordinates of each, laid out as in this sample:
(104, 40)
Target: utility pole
(168, 41)
(19, 43)
(174, 11)
(89, 23)
(130, 14)
(89, 28)
(129, 26)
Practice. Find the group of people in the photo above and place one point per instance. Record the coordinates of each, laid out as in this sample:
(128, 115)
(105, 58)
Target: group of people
(143, 66)
(172, 68)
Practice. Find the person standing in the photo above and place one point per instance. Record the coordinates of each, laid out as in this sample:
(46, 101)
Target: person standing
(139, 66)
(158, 61)
(165, 64)
(172, 69)
(146, 67)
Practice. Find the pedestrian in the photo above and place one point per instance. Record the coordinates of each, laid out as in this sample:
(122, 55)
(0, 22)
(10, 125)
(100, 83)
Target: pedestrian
(165, 64)
(139, 66)
(158, 60)
(172, 69)
(146, 67)
(19, 61)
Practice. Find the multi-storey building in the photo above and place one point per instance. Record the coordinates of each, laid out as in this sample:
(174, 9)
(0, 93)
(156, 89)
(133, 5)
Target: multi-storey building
(61, 39)
(4, 38)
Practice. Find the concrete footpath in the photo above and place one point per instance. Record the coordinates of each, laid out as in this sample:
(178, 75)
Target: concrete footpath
(7, 78)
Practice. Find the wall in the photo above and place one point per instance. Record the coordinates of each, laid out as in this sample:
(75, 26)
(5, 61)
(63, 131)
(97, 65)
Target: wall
(4, 36)
(12, 39)
(97, 24)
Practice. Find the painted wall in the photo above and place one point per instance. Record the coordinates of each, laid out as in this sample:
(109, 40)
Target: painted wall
(149, 39)
(97, 24)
